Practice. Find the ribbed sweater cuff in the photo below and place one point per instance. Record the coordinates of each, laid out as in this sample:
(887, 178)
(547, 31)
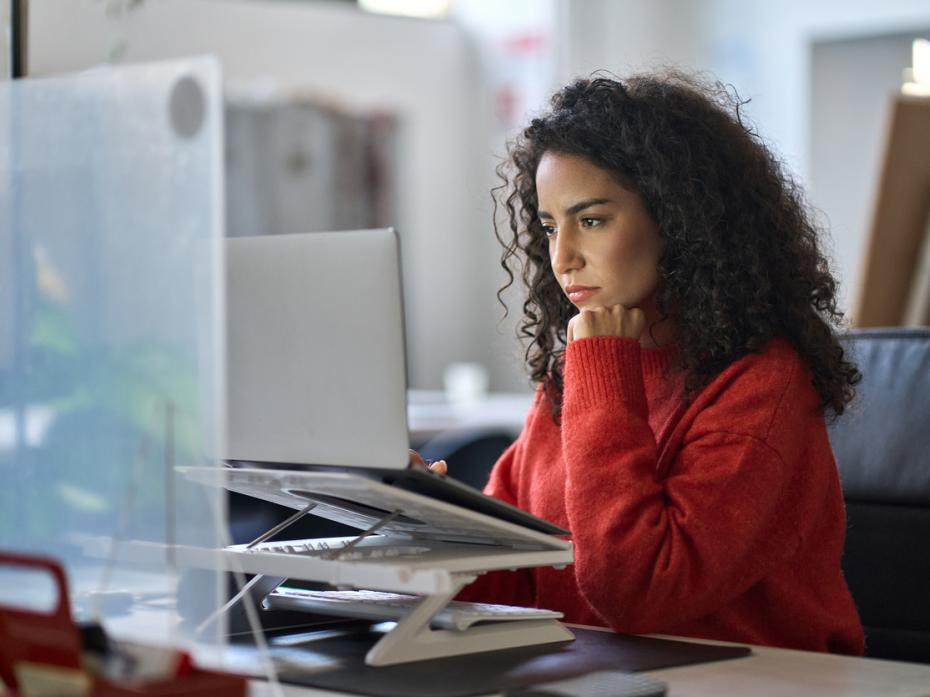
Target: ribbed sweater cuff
(603, 370)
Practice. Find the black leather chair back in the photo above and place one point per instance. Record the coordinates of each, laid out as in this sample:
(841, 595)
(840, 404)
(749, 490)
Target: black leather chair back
(882, 447)
(470, 453)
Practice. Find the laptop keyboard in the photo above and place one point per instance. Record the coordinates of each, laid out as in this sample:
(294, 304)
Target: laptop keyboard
(317, 548)
(376, 605)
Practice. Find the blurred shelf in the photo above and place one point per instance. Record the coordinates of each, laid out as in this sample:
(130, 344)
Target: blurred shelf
(429, 412)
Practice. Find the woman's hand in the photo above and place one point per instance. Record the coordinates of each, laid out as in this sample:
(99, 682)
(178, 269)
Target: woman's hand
(616, 320)
(439, 466)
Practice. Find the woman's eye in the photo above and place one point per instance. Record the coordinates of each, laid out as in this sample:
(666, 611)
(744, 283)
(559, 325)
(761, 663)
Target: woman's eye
(590, 222)
(548, 230)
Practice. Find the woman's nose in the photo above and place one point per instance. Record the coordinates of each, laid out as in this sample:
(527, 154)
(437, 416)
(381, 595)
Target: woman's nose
(564, 254)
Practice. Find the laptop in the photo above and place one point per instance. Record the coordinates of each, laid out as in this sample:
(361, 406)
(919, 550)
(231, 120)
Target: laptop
(316, 368)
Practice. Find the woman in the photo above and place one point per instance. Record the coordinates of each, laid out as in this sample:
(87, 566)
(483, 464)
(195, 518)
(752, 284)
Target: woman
(680, 317)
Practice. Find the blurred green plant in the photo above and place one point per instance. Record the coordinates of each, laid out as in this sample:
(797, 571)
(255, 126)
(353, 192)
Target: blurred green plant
(109, 406)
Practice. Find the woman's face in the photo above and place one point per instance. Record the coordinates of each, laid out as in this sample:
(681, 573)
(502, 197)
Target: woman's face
(603, 246)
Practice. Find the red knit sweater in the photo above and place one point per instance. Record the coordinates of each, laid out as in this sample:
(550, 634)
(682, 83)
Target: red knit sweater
(721, 519)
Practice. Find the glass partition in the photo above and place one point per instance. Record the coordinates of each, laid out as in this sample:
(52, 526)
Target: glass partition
(111, 355)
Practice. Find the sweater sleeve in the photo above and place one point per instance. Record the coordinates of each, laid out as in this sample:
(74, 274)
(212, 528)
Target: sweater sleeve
(655, 552)
(503, 587)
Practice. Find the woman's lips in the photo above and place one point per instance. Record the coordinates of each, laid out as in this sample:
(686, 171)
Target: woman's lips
(579, 293)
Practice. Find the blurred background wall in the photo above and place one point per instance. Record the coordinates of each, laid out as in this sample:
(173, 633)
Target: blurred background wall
(423, 107)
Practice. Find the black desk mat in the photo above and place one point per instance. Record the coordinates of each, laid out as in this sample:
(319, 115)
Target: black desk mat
(338, 663)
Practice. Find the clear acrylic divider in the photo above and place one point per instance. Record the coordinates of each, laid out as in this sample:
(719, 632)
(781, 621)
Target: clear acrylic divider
(111, 341)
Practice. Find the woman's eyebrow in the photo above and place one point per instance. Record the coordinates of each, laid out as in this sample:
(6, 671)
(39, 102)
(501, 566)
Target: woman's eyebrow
(578, 207)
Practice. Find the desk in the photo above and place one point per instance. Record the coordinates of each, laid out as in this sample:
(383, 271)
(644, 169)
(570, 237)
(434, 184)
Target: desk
(772, 672)
(767, 673)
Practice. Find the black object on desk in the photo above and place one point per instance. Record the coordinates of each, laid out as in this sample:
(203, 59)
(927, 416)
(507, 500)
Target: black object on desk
(338, 663)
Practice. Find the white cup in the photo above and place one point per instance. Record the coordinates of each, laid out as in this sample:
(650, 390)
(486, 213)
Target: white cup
(465, 383)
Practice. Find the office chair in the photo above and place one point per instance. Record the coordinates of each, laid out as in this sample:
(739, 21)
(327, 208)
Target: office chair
(470, 453)
(882, 447)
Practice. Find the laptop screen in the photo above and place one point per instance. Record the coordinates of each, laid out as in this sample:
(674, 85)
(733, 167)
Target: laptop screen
(316, 369)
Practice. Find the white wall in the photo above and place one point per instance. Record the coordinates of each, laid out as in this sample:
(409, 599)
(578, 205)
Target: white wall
(765, 51)
(424, 71)
(774, 46)
(626, 36)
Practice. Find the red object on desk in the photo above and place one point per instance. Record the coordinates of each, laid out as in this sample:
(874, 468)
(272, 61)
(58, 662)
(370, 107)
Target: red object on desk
(34, 637)
(47, 646)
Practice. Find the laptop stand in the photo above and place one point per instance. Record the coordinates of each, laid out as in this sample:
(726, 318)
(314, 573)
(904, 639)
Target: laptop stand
(413, 639)
(409, 544)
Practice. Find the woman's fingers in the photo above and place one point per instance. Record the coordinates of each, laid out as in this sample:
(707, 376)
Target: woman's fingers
(616, 320)
(439, 466)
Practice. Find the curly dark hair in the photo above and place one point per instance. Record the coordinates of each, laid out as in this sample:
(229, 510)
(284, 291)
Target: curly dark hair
(741, 263)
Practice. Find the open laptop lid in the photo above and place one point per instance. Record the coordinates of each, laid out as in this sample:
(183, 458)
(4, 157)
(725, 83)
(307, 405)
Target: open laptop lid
(316, 369)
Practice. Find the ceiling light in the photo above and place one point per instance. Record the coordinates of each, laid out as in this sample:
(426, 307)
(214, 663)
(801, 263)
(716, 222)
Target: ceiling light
(407, 8)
